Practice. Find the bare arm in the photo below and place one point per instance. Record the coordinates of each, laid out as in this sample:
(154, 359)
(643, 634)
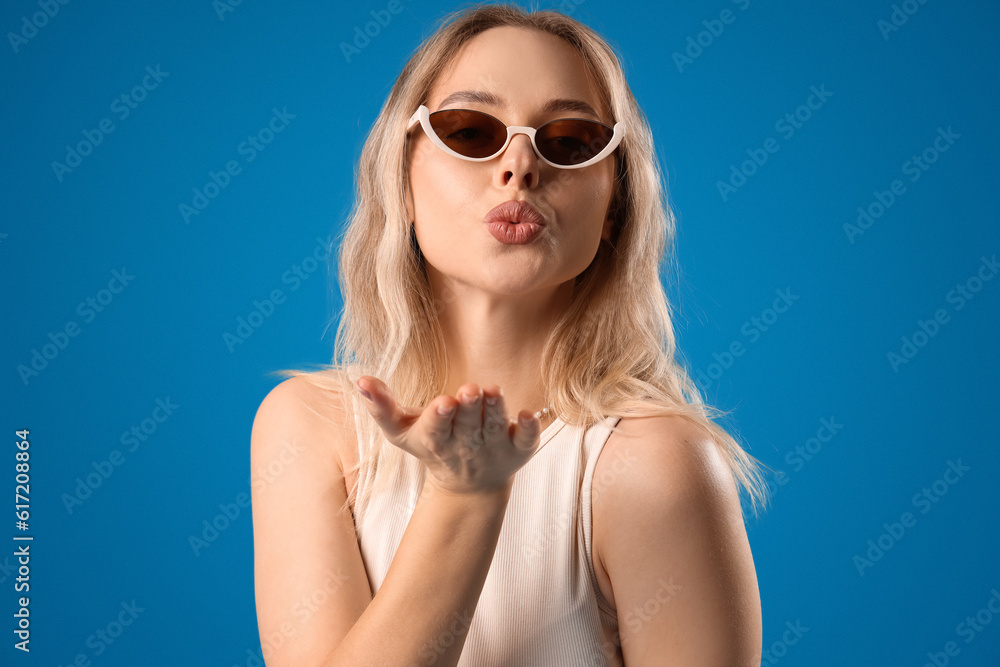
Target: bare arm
(676, 552)
(424, 607)
(309, 579)
(423, 610)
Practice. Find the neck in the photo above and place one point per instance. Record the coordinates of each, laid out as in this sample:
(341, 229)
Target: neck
(496, 339)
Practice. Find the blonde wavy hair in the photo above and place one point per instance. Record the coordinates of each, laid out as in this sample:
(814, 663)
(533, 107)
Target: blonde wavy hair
(611, 353)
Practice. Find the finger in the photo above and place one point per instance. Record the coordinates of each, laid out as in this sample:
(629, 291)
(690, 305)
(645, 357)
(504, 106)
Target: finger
(375, 387)
(441, 414)
(391, 418)
(370, 389)
(494, 413)
(525, 431)
(470, 412)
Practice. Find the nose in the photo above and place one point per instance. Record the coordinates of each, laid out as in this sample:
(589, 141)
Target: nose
(518, 163)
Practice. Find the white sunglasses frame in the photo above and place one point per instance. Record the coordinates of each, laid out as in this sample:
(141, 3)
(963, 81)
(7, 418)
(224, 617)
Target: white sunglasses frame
(423, 116)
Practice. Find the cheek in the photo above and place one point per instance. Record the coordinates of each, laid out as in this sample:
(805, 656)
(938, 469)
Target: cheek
(589, 201)
(441, 184)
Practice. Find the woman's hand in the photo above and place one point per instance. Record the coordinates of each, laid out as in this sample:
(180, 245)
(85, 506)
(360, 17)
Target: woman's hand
(467, 445)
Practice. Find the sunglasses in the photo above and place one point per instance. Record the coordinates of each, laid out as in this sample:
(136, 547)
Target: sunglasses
(567, 143)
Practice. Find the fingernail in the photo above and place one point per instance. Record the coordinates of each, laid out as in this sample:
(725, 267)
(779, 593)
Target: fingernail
(363, 392)
(445, 409)
(526, 421)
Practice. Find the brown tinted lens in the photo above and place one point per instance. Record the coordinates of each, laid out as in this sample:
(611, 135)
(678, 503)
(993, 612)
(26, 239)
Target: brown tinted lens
(572, 141)
(471, 133)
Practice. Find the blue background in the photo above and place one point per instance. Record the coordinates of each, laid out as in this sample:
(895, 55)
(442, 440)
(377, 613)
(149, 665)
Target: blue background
(825, 357)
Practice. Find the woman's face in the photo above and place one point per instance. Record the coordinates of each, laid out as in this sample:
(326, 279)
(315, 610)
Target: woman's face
(448, 197)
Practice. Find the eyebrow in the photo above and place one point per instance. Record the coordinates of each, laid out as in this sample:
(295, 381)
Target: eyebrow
(483, 97)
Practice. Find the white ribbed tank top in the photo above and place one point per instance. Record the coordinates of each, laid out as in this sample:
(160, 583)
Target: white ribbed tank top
(541, 605)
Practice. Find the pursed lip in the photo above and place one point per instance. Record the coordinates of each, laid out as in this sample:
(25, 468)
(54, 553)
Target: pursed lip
(515, 211)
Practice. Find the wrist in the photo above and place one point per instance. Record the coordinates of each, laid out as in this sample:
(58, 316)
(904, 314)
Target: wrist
(489, 496)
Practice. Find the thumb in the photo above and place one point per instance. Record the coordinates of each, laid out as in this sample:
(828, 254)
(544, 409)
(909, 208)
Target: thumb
(393, 420)
(381, 404)
(369, 388)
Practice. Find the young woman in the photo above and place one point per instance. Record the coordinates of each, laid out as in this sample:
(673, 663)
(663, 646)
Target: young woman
(503, 254)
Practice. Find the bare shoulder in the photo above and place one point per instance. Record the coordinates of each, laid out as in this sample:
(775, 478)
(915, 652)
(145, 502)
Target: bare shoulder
(671, 548)
(307, 411)
(318, 397)
(668, 456)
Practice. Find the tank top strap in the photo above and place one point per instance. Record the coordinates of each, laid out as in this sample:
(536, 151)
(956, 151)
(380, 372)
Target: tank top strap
(594, 441)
